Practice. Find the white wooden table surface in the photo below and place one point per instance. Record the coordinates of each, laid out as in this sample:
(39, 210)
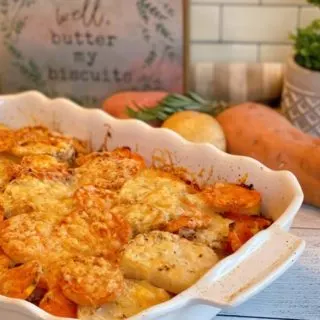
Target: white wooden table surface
(296, 294)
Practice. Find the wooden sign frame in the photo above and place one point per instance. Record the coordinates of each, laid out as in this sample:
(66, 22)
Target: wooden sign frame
(186, 44)
(93, 48)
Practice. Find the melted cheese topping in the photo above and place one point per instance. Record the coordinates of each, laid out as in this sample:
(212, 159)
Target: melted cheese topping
(8, 169)
(91, 229)
(91, 281)
(6, 139)
(153, 199)
(41, 141)
(28, 194)
(26, 237)
(106, 170)
(92, 219)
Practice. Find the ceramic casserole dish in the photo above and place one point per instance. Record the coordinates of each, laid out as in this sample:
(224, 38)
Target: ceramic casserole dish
(234, 279)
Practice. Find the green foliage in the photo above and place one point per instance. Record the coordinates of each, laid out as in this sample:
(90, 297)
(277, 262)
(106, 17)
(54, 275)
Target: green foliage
(307, 44)
(16, 53)
(11, 26)
(155, 17)
(164, 31)
(150, 59)
(12, 23)
(28, 68)
(315, 2)
(174, 103)
(147, 10)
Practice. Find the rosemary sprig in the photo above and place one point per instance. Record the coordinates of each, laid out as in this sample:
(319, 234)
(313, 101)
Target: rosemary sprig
(174, 103)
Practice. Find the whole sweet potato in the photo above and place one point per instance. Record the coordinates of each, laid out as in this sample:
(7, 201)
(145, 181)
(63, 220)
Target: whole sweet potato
(117, 104)
(259, 132)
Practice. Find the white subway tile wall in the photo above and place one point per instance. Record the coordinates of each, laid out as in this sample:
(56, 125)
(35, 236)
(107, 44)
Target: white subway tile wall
(224, 52)
(288, 2)
(308, 15)
(246, 30)
(258, 23)
(209, 26)
(274, 52)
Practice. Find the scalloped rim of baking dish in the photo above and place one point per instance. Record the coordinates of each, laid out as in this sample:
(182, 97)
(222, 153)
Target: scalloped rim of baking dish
(197, 293)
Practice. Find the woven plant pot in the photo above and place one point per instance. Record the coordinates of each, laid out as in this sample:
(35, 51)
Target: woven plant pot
(301, 97)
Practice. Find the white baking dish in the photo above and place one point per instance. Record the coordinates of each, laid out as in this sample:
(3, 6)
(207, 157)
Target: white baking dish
(234, 279)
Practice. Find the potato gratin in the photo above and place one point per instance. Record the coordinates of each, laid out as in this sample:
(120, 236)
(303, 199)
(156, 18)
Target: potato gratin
(83, 230)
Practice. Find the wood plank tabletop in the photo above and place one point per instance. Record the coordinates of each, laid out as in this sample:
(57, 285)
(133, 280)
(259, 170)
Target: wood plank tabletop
(296, 294)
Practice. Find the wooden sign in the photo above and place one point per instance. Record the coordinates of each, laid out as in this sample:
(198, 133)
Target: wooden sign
(88, 49)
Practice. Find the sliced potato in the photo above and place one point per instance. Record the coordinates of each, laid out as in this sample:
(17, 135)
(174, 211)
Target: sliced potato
(156, 200)
(136, 297)
(166, 260)
(216, 234)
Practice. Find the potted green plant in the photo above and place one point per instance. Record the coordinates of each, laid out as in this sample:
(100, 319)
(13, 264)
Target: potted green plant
(301, 93)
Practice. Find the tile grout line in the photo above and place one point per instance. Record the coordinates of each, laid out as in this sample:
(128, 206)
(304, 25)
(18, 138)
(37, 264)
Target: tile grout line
(259, 52)
(276, 5)
(256, 45)
(221, 20)
(241, 42)
(299, 17)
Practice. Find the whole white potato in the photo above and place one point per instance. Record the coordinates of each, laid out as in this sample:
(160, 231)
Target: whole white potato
(197, 127)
